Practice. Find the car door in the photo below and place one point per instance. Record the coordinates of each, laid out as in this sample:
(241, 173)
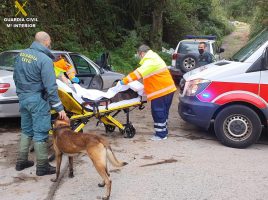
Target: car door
(89, 75)
(110, 78)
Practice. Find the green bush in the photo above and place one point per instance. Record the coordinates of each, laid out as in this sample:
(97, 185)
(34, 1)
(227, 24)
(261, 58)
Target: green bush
(116, 26)
(123, 58)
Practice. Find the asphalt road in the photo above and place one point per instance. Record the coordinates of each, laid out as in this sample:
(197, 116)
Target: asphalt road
(190, 164)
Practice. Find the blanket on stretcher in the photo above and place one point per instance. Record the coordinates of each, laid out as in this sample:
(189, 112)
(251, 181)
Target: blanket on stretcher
(118, 93)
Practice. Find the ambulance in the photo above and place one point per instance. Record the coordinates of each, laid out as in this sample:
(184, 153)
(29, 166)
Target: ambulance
(230, 96)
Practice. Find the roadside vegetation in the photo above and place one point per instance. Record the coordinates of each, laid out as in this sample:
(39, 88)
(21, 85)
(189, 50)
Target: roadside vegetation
(119, 26)
(236, 40)
(253, 12)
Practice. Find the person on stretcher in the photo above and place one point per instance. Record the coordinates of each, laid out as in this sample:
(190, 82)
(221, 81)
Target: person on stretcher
(61, 66)
(115, 94)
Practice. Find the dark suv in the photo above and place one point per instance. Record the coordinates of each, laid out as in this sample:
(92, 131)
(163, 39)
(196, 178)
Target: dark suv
(185, 56)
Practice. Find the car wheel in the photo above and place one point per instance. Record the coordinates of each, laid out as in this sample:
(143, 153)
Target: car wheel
(237, 126)
(188, 63)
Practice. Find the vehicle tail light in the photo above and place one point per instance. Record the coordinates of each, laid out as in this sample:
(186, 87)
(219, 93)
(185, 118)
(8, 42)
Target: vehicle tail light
(4, 87)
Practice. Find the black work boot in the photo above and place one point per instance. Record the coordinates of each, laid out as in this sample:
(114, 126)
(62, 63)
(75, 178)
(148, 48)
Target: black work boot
(42, 166)
(21, 165)
(45, 169)
(22, 160)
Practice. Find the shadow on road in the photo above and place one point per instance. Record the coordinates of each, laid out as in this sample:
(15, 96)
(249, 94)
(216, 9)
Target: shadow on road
(9, 124)
(264, 137)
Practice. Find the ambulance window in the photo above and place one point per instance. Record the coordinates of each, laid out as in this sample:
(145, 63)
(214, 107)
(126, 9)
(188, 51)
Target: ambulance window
(266, 58)
(252, 46)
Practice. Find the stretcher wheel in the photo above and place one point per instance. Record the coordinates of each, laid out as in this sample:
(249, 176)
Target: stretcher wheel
(122, 131)
(129, 131)
(109, 128)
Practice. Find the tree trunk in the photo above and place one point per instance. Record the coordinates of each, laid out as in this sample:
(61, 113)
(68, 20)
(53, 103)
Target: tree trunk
(157, 26)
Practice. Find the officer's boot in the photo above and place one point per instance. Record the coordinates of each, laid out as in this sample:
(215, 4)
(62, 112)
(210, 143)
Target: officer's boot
(42, 166)
(22, 161)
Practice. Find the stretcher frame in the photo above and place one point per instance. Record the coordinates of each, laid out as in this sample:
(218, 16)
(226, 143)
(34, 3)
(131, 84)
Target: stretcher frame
(80, 115)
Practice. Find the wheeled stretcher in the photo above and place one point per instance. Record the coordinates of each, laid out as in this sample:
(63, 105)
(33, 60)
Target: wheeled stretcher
(80, 110)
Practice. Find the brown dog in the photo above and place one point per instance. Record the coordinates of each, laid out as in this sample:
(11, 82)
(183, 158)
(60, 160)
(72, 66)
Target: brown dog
(98, 149)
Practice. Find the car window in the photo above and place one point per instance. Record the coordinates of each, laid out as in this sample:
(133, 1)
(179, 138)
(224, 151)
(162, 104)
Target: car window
(57, 55)
(82, 66)
(7, 60)
(186, 47)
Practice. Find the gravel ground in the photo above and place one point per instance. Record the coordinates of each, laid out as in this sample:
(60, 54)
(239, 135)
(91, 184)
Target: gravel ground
(190, 164)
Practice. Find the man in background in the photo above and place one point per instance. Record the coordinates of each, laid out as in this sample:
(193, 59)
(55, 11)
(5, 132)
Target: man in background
(204, 57)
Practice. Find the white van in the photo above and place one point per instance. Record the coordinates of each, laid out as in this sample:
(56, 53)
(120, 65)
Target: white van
(231, 95)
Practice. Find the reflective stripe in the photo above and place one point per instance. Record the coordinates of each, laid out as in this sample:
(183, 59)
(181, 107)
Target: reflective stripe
(160, 129)
(56, 105)
(161, 91)
(160, 124)
(137, 74)
(157, 72)
(129, 78)
(237, 92)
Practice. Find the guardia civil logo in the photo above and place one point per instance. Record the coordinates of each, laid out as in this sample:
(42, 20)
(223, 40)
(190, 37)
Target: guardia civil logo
(21, 8)
(21, 17)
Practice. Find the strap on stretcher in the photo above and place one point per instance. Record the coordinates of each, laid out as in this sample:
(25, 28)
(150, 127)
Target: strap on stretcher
(95, 104)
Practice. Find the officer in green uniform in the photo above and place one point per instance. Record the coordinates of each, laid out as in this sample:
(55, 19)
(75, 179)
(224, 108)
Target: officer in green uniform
(38, 92)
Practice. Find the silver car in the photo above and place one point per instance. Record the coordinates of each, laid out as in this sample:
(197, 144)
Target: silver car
(90, 74)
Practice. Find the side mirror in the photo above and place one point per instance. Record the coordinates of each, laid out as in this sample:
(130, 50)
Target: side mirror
(221, 50)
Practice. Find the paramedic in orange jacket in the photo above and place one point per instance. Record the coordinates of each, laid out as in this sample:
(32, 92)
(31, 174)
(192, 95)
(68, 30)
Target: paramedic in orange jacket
(61, 66)
(158, 85)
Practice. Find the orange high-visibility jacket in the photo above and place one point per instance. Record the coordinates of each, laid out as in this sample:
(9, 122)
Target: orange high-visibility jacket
(61, 66)
(156, 76)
